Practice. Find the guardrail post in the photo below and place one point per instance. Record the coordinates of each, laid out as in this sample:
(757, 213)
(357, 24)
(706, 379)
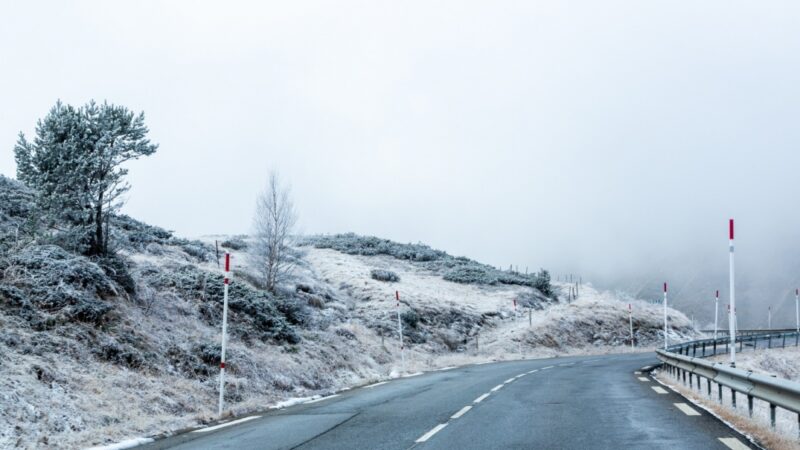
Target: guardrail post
(704, 349)
(719, 393)
(708, 382)
(750, 405)
(772, 415)
(715, 346)
(784, 340)
(691, 380)
(694, 349)
(733, 398)
(684, 377)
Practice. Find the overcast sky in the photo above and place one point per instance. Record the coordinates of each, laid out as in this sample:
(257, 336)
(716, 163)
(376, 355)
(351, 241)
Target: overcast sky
(599, 137)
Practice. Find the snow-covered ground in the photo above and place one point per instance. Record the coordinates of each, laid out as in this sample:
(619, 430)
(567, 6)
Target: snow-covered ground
(56, 393)
(779, 362)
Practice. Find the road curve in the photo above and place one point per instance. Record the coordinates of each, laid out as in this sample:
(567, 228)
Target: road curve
(596, 402)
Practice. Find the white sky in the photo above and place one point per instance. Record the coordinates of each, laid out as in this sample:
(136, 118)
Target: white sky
(582, 136)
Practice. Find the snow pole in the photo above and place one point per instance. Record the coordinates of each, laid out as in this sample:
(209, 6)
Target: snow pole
(797, 308)
(716, 312)
(630, 321)
(666, 330)
(224, 333)
(732, 325)
(400, 330)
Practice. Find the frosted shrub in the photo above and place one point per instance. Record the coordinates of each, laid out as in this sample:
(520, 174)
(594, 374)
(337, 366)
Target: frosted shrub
(456, 269)
(384, 275)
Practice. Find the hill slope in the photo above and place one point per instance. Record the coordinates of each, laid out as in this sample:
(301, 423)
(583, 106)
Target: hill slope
(103, 349)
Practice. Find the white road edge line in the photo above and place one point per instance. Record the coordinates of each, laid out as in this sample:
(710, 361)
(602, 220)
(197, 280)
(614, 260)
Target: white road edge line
(223, 425)
(430, 434)
(461, 412)
(375, 384)
(533, 371)
(660, 390)
(509, 380)
(481, 398)
(497, 388)
(321, 399)
(686, 409)
(733, 443)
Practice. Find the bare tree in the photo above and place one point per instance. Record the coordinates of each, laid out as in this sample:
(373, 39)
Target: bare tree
(274, 224)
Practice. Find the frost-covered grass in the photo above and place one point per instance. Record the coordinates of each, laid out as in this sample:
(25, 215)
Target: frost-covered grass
(457, 269)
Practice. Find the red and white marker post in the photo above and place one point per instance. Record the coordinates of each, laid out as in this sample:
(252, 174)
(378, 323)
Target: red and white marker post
(630, 321)
(400, 330)
(716, 313)
(797, 308)
(666, 329)
(732, 319)
(769, 317)
(224, 333)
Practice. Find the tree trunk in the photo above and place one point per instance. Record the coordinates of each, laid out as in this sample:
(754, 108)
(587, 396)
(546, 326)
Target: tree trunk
(97, 245)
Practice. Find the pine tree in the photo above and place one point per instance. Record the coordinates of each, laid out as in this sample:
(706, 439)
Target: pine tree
(74, 164)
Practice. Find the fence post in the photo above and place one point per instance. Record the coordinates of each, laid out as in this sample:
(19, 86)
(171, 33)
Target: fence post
(772, 415)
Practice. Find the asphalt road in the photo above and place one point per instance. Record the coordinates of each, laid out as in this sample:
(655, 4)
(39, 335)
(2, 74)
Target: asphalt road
(592, 402)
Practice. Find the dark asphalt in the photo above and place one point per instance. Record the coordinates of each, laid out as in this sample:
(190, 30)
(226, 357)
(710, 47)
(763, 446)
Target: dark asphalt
(593, 402)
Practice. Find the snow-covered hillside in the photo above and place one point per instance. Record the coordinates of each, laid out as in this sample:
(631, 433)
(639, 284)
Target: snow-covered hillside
(99, 350)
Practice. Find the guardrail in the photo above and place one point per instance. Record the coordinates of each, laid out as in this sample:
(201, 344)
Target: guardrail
(726, 332)
(775, 391)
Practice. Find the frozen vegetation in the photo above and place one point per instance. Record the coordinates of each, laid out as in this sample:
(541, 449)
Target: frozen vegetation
(107, 348)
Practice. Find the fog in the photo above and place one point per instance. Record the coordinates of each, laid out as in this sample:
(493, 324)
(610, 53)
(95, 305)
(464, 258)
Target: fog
(607, 139)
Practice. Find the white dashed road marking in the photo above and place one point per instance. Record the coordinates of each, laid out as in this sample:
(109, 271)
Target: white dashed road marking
(533, 371)
(509, 380)
(642, 378)
(637, 373)
(430, 434)
(688, 410)
(481, 398)
(660, 390)
(497, 388)
(733, 443)
(548, 367)
(217, 427)
(461, 412)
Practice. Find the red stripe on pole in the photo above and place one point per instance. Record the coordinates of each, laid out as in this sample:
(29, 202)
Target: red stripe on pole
(665, 286)
(227, 262)
(397, 295)
(731, 228)
(226, 280)
(717, 293)
(222, 365)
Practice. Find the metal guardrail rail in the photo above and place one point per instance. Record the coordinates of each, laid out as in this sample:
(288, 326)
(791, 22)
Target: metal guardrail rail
(776, 392)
